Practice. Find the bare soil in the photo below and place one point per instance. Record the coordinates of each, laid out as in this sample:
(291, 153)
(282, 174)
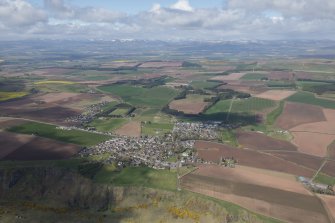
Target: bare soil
(27, 147)
(295, 114)
(284, 205)
(211, 151)
(11, 142)
(301, 159)
(276, 95)
(329, 203)
(329, 168)
(255, 176)
(312, 143)
(259, 141)
(189, 106)
(229, 77)
(132, 129)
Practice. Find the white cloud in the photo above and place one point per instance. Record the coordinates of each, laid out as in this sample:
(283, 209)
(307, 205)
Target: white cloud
(182, 5)
(238, 19)
(18, 13)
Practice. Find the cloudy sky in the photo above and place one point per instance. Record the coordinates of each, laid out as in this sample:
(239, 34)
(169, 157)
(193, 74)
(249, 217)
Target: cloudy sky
(168, 19)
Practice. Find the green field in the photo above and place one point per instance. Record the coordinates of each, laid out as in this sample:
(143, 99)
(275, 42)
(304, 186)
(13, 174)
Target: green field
(229, 137)
(108, 124)
(273, 115)
(309, 98)
(109, 106)
(58, 87)
(120, 111)
(138, 176)
(152, 129)
(139, 96)
(5, 96)
(325, 179)
(253, 76)
(50, 131)
(204, 84)
(242, 105)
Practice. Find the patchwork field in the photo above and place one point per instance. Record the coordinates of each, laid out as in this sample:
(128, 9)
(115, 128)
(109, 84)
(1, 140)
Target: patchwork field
(160, 129)
(329, 202)
(211, 151)
(329, 169)
(309, 98)
(192, 104)
(132, 129)
(281, 204)
(78, 137)
(139, 96)
(259, 141)
(229, 77)
(295, 114)
(276, 95)
(108, 124)
(302, 159)
(161, 64)
(249, 105)
(314, 138)
(27, 147)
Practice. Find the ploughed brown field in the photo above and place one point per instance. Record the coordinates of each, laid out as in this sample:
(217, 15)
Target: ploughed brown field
(312, 143)
(315, 138)
(251, 87)
(132, 129)
(229, 77)
(6, 123)
(329, 202)
(331, 151)
(161, 64)
(312, 162)
(193, 104)
(30, 108)
(259, 141)
(295, 114)
(291, 206)
(211, 151)
(276, 95)
(329, 168)
(27, 147)
(280, 75)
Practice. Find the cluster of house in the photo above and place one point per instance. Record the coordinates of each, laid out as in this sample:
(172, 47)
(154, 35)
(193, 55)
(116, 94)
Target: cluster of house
(317, 187)
(149, 151)
(196, 130)
(89, 115)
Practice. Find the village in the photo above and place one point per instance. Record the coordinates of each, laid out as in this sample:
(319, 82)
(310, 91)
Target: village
(155, 152)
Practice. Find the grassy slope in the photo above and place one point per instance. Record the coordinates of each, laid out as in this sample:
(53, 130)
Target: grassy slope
(50, 131)
(138, 176)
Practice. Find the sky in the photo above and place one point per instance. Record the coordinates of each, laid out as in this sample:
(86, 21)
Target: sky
(167, 20)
